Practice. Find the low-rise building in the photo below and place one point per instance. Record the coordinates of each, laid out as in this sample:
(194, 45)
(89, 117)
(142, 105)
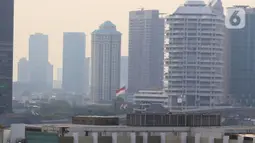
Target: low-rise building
(150, 97)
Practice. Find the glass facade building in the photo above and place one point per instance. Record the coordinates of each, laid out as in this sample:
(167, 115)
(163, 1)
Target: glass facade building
(6, 54)
(241, 44)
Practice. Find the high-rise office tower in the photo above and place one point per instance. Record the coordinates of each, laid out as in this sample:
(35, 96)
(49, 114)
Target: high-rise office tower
(50, 75)
(59, 74)
(86, 75)
(58, 82)
(146, 42)
(73, 62)
(6, 58)
(23, 70)
(124, 71)
(241, 49)
(105, 62)
(194, 58)
(38, 61)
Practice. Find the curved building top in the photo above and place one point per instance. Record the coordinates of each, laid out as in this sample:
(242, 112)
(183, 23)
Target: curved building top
(193, 7)
(107, 28)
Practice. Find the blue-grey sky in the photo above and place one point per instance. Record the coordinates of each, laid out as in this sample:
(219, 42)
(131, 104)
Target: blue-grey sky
(53, 17)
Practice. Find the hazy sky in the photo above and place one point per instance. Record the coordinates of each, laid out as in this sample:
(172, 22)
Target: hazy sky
(53, 17)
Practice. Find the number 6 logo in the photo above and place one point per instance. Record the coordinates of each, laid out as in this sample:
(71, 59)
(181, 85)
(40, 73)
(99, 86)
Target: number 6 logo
(235, 18)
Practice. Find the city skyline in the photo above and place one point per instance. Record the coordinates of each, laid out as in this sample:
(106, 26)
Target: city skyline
(31, 17)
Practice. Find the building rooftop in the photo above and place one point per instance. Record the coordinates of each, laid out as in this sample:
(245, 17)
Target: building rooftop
(107, 28)
(194, 7)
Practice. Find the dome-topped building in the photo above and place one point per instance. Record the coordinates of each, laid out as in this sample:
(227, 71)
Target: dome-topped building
(106, 28)
(105, 63)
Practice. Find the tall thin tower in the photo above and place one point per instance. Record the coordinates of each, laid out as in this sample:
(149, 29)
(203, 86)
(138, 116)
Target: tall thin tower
(73, 62)
(146, 42)
(105, 63)
(6, 51)
(38, 61)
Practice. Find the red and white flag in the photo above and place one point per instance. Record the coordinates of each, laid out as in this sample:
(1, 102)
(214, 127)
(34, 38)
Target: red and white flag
(121, 91)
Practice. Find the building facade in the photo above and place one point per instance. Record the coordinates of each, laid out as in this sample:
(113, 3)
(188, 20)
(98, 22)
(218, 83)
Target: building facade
(146, 42)
(50, 75)
(38, 61)
(73, 62)
(241, 49)
(194, 58)
(23, 71)
(124, 71)
(105, 63)
(87, 75)
(6, 52)
(150, 97)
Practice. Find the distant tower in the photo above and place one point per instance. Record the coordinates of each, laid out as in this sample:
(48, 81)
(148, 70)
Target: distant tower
(105, 60)
(124, 71)
(241, 49)
(38, 61)
(87, 75)
(6, 52)
(73, 62)
(50, 75)
(23, 70)
(146, 42)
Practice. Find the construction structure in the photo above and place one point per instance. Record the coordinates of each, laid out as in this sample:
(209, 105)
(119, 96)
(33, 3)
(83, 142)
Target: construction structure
(173, 120)
(95, 120)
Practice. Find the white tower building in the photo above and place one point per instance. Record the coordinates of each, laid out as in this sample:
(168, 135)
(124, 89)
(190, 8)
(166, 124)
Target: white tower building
(193, 59)
(105, 63)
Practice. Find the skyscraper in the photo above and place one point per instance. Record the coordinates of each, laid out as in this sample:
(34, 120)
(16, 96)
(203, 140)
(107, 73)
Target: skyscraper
(59, 74)
(50, 75)
(58, 83)
(124, 71)
(194, 58)
(73, 62)
(241, 49)
(87, 74)
(6, 58)
(146, 42)
(105, 60)
(38, 61)
(23, 70)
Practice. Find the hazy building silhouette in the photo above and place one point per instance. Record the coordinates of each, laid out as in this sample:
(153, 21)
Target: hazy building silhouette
(73, 62)
(124, 71)
(59, 74)
(87, 74)
(194, 58)
(38, 61)
(23, 71)
(105, 62)
(241, 65)
(146, 42)
(6, 58)
(50, 75)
